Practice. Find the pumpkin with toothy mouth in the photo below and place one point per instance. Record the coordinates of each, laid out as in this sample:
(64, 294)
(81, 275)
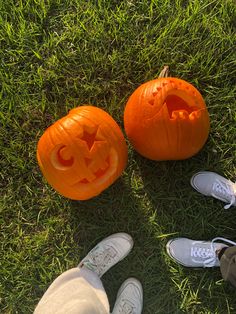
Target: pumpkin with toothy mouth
(166, 119)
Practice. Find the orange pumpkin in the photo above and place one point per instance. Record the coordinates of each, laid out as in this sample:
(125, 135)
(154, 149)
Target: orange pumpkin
(166, 119)
(83, 153)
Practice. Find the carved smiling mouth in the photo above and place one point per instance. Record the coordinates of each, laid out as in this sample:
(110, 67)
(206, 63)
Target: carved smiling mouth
(99, 173)
(102, 174)
(176, 107)
(176, 103)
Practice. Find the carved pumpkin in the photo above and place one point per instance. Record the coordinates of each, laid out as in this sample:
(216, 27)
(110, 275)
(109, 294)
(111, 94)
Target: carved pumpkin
(166, 119)
(83, 153)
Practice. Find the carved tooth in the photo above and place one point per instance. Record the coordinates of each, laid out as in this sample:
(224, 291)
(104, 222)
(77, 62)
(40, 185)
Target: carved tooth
(180, 114)
(195, 115)
(183, 114)
(174, 115)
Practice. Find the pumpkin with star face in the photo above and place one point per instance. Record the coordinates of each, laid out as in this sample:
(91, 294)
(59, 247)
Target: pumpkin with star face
(166, 119)
(83, 153)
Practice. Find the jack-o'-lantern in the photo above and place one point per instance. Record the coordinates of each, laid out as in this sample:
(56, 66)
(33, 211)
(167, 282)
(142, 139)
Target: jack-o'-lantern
(83, 153)
(166, 119)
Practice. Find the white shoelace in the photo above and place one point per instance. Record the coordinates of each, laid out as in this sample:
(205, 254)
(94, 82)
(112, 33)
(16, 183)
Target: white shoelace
(211, 253)
(100, 259)
(203, 253)
(224, 191)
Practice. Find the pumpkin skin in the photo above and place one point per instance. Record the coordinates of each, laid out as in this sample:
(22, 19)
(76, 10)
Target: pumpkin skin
(166, 119)
(83, 153)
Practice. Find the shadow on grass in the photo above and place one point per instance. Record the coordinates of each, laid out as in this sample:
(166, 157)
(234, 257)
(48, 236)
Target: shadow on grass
(182, 212)
(152, 201)
(119, 209)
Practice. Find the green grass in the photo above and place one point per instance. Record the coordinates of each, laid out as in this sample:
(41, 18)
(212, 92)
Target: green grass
(56, 55)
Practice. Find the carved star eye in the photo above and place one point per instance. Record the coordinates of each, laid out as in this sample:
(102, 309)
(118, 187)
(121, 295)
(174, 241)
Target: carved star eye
(89, 138)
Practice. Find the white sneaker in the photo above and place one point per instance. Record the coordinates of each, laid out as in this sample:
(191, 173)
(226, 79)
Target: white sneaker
(107, 253)
(192, 253)
(129, 298)
(212, 184)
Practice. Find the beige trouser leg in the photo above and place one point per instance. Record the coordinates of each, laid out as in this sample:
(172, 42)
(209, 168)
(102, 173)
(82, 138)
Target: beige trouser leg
(228, 265)
(76, 291)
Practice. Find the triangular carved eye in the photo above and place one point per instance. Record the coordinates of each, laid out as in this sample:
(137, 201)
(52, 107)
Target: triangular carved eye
(151, 102)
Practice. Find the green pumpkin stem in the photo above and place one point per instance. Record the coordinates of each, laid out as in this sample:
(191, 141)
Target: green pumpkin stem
(164, 72)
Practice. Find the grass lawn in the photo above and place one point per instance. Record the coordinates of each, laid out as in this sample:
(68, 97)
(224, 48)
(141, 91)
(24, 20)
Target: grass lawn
(58, 54)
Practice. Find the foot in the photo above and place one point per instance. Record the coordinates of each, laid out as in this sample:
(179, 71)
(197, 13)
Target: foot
(107, 253)
(212, 184)
(192, 253)
(129, 298)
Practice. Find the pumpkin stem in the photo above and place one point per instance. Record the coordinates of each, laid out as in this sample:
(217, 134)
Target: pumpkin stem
(164, 72)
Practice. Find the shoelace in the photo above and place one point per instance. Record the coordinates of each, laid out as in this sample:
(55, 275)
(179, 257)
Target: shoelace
(100, 259)
(127, 307)
(225, 190)
(211, 261)
(202, 252)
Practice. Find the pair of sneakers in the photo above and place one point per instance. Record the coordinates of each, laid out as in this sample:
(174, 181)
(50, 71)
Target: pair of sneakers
(106, 254)
(191, 253)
